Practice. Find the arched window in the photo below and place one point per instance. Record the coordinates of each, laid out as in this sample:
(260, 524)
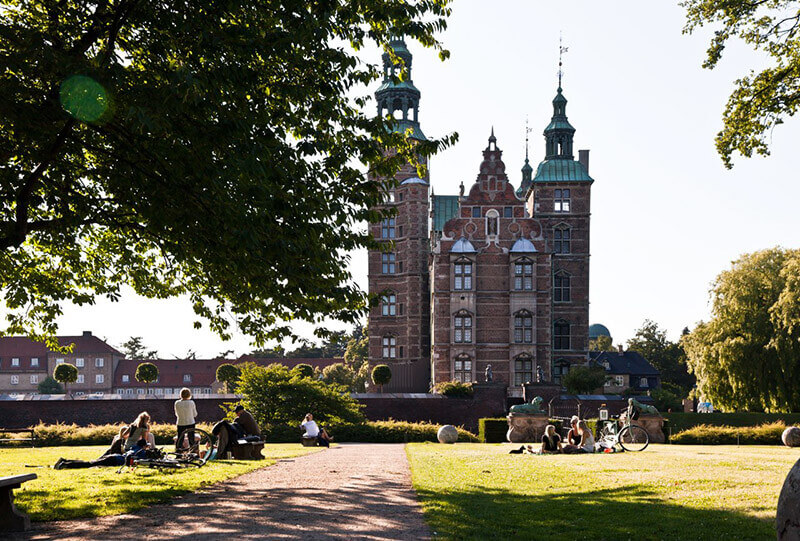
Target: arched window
(462, 368)
(523, 274)
(462, 327)
(389, 305)
(387, 228)
(523, 327)
(561, 335)
(561, 239)
(462, 274)
(389, 347)
(561, 287)
(523, 369)
(492, 223)
(560, 369)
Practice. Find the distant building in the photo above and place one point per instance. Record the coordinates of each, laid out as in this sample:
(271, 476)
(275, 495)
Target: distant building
(626, 370)
(597, 330)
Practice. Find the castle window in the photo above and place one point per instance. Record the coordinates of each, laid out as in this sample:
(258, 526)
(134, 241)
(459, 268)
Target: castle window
(561, 287)
(15, 361)
(389, 347)
(463, 275)
(523, 274)
(523, 369)
(508, 212)
(388, 260)
(523, 327)
(476, 212)
(389, 305)
(399, 197)
(561, 201)
(462, 327)
(14, 379)
(35, 379)
(642, 382)
(391, 196)
(561, 239)
(561, 335)
(387, 228)
(462, 369)
(560, 369)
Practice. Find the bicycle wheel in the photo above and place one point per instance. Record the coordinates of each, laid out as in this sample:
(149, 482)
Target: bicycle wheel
(634, 438)
(608, 432)
(195, 452)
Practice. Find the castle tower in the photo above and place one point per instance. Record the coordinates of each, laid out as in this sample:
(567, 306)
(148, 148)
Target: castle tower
(559, 198)
(399, 329)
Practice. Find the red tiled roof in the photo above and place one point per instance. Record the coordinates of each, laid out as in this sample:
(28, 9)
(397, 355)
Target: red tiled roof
(24, 348)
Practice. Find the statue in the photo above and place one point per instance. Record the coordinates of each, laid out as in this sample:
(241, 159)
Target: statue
(634, 404)
(539, 374)
(534, 407)
(461, 189)
(488, 373)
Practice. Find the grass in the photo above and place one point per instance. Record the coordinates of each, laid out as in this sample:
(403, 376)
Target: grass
(475, 491)
(69, 494)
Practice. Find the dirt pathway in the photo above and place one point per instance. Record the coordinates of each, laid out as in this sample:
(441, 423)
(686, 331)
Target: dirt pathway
(352, 491)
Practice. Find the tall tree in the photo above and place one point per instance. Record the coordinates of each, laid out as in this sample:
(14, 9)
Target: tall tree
(601, 343)
(667, 356)
(761, 100)
(134, 348)
(217, 150)
(747, 357)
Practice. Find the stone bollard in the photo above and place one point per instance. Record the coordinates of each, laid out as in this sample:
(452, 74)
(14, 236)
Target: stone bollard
(787, 521)
(654, 425)
(526, 427)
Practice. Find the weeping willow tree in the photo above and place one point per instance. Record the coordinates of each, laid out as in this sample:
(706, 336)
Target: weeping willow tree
(747, 357)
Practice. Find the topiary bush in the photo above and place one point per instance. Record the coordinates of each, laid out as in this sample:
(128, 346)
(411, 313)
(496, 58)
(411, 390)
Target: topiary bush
(304, 370)
(381, 375)
(454, 389)
(765, 434)
(492, 430)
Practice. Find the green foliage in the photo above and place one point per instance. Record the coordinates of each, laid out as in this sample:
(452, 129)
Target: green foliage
(174, 147)
(747, 357)
(602, 343)
(583, 379)
(228, 375)
(381, 375)
(761, 100)
(304, 370)
(668, 357)
(344, 375)
(492, 430)
(357, 350)
(664, 400)
(63, 434)
(684, 421)
(146, 373)
(134, 348)
(454, 389)
(65, 373)
(766, 434)
(49, 386)
(369, 432)
(276, 395)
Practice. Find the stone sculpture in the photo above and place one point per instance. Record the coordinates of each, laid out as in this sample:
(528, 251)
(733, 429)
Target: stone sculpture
(791, 437)
(447, 434)
(534, 407)
(488, 374)
(787, 521)
(645, 409)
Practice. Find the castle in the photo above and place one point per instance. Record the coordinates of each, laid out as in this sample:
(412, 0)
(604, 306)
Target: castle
(495, 276)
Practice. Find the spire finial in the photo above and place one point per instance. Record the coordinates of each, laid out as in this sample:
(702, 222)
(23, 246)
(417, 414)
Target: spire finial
(492, 138)
(527, 131)
(561, 51)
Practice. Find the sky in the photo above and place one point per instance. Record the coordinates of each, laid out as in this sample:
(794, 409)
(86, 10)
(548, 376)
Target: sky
(667, 217)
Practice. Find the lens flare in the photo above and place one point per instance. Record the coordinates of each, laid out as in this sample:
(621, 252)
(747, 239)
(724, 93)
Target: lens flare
(83, 98)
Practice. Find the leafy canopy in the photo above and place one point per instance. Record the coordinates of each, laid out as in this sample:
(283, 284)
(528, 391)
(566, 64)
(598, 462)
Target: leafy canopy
(229, 375)
(276, 395)
(49, 386)
(668, 357)
(583, 379)
(65, 373)
(213, 150)
(134, 348)
(747, 357)
(760, 100)
(146, 373)
(381, 375)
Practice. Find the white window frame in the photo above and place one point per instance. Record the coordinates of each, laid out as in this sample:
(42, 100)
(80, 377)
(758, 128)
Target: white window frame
(79, 362)
(523, 274)
(643, 382)
(99, 378)
(15, 361)
(99, 362)
(14, 379)
(126, 378)
(561, 200)
(389, 347)
(463, 275)
(34, 362)
(462, 327)
(389, 304)
(59, 361)
(462, 368)
(80, 379)
(619, 381)
(34, 379)
(187, 378)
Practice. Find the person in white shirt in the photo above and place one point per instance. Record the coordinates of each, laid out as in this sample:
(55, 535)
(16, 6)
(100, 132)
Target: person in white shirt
(312, 431)
(186, 413)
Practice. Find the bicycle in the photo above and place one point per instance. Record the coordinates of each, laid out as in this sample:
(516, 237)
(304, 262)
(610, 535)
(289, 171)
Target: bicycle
(187, 455)
(631, 437)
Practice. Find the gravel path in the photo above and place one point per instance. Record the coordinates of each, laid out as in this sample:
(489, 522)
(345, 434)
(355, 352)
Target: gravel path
(351, 491)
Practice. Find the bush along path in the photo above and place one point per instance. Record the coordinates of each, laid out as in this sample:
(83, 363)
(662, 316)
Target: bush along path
(360, 491)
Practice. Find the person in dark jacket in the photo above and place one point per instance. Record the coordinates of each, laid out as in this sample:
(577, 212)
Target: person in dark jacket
(246, 422)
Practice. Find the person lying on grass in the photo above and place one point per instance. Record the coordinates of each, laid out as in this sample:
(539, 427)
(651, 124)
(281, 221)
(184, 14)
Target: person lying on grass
(113, 456)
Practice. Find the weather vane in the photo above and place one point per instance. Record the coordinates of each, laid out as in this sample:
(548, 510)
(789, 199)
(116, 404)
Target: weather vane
(561, 51)
(527, 131)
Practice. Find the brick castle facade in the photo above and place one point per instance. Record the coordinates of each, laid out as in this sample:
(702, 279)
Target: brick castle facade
(497, 276)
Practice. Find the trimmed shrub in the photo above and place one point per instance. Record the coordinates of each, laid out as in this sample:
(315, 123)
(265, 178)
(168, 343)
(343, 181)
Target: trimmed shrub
(305, 370)
(492, 430)
(683, 421)
(62, 434)
(370, 432)
(454, 389)
(381, 375)
(765, 434)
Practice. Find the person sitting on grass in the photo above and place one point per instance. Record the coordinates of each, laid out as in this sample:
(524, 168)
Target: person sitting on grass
(551, 442)
(586, 445)
(573, 437)
(136, 438)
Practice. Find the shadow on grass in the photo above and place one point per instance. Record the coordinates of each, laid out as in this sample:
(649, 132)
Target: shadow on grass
(627, 512)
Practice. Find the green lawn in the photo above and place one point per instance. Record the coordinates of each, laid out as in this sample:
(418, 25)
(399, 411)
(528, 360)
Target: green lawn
(477, 491)
(68, 494)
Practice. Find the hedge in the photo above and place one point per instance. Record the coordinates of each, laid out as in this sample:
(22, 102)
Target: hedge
(765, 434)
(494, 430)
(683, 421)
(371, 432)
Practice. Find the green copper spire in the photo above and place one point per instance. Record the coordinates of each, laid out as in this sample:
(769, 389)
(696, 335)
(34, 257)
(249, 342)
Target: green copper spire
(559, 133)
(527, 170)
(400, 99)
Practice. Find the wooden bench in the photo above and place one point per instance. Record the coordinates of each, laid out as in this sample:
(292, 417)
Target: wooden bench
(31, 439)
(12, 520)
